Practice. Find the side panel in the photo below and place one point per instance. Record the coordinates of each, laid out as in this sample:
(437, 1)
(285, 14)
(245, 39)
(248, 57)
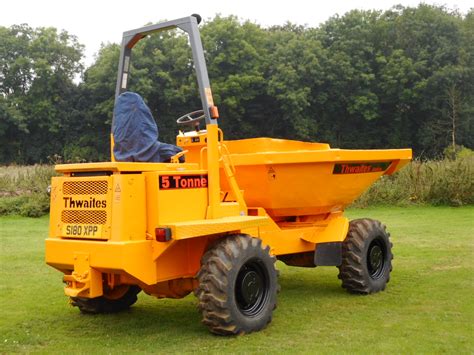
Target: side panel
(128, 207)
(182, 259)
(299, 237)
(175, 200)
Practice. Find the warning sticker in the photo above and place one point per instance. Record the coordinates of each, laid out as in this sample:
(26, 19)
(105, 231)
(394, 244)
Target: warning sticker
(117, 193)
(271, 173)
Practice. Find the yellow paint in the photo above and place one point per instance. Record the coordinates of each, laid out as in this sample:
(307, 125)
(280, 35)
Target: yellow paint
(335, 230)
(112, 144)
(192, 229)
(213, 210)
(80, 203)
(284, 192)
(84, 280)
(296, 178)
(132, 257)
(128, 207)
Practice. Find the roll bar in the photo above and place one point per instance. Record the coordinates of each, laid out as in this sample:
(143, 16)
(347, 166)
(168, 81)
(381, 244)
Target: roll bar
(190, 26)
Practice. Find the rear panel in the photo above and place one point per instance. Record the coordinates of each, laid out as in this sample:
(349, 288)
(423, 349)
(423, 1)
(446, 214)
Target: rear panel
(109, 207)
(98, 227)
(81, 207)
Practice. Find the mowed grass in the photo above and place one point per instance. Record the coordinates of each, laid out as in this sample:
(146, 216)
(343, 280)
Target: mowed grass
(428, 306)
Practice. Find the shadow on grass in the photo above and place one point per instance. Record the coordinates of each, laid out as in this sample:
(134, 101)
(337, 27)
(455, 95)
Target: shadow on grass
(149, 317)
(166, 318)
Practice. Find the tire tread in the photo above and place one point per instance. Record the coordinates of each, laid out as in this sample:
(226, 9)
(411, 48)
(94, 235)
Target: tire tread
(103, 305)
(351, 270)
(212, 291)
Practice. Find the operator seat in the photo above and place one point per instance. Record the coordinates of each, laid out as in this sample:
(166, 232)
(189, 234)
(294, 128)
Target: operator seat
(136, 134)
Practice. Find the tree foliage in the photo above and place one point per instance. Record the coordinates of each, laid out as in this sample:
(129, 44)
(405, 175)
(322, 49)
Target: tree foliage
(37, 68)
(367, 79)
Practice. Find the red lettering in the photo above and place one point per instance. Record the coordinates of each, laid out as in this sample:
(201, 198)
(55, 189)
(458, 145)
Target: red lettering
(165, 182)
(183, 181)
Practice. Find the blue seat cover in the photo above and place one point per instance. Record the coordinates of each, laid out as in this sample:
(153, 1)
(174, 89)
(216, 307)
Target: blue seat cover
(136, 134)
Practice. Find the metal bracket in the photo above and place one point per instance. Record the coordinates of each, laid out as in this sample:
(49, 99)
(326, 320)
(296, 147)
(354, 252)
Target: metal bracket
(84, 281)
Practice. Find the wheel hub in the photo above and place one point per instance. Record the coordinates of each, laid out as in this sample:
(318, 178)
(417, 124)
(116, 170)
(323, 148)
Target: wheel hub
(117, 292)
(375, 259)
(251, 287)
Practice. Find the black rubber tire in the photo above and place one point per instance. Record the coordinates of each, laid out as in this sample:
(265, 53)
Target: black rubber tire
(238, 286)
(366, 257)
(103, 304)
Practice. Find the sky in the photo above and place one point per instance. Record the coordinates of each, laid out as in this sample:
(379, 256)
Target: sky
(97, 21)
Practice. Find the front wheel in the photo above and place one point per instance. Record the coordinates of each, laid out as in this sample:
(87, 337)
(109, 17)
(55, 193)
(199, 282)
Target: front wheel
(238, 284)
(366, 257)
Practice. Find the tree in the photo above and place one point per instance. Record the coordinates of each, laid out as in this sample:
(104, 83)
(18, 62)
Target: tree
(36, 84)
(367, 79)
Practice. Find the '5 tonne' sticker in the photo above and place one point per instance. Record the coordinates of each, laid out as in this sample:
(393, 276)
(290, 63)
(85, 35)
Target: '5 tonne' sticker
(168, 182)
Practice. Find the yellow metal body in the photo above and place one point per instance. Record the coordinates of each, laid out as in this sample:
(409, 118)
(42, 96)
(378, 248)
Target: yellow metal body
(291, 178)
(106, 217)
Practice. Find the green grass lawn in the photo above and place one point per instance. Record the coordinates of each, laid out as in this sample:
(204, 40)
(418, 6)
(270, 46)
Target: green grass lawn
(427, 307)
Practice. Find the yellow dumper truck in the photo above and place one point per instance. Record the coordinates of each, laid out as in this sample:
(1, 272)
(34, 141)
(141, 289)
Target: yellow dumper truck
(216, 224)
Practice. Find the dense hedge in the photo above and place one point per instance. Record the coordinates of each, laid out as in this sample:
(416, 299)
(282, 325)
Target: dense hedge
(442, 182)
(23, 190)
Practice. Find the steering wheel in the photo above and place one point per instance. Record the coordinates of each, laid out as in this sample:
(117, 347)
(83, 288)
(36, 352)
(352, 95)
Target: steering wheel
(191, 119)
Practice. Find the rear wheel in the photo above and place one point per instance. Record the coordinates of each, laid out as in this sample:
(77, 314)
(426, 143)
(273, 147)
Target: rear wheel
(238, 284)
(116, 300)
(366, 257)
